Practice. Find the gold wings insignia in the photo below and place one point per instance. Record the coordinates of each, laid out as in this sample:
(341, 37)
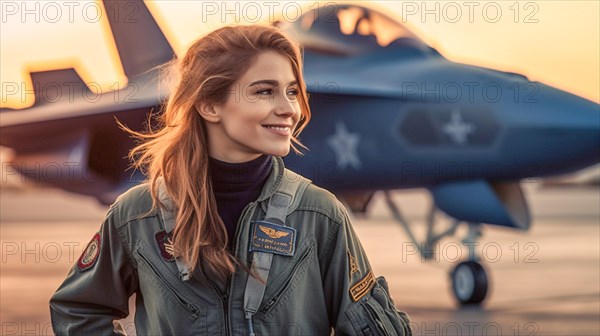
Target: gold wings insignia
(272, 232)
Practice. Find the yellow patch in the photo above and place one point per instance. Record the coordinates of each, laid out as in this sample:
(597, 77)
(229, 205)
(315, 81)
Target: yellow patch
(362, 287)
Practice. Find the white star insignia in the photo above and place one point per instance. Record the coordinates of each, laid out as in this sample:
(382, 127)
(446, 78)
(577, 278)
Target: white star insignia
(457, 129)
(344, 145)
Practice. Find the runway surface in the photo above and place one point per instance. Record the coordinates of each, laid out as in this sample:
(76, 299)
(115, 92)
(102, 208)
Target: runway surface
(543, 282)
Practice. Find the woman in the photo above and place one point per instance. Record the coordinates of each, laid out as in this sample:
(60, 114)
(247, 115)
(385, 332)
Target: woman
(222, 239)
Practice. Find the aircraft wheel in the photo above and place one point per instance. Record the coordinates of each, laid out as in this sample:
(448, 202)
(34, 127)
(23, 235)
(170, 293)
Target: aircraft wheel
(469, 282)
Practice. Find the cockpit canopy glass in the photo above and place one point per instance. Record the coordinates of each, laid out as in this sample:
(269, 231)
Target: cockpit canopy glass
(350, 30)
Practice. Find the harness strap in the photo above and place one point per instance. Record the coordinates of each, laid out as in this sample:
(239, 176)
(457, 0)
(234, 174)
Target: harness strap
(281, 203)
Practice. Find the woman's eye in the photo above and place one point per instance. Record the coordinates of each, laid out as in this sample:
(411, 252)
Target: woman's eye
(265, 92)
(292, 92)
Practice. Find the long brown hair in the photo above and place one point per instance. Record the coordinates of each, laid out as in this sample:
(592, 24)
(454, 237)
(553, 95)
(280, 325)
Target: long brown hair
(178, 150)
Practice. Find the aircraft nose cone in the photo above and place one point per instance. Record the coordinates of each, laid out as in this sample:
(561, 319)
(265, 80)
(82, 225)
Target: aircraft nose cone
(590, 131)
(578, 128)
(559, 131)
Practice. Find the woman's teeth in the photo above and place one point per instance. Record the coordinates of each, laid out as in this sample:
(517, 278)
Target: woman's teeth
(278, 128)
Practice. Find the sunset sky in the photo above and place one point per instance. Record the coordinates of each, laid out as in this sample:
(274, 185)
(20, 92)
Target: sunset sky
(555, 42)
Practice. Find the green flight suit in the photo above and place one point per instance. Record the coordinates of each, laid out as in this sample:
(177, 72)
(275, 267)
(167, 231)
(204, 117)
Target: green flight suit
(327, 284)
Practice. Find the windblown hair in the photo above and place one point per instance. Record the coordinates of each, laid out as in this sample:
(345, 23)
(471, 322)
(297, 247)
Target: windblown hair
(178, 151)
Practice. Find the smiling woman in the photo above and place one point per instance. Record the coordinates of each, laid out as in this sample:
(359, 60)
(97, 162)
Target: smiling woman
(259, 115)
(222, 238)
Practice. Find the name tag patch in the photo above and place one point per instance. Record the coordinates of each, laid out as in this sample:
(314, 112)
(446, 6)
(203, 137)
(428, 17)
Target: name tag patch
(273, 238)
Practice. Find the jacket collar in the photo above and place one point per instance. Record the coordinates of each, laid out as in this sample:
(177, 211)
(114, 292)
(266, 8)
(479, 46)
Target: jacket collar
(271, 184)
(274, 179)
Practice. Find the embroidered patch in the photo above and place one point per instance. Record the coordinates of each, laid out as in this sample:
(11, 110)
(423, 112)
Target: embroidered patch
(273, 238)
(90, 254)
(353, 264)
(362, 287)
(165, 245)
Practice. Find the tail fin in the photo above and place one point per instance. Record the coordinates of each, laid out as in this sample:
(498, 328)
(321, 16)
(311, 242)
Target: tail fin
(140, 42)
(61, 84)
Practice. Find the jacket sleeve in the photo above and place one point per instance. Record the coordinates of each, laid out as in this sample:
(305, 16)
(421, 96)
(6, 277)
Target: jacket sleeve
(358, 302)
(97, 288)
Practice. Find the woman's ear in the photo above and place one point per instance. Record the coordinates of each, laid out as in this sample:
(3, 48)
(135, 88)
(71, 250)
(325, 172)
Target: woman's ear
(208, 112)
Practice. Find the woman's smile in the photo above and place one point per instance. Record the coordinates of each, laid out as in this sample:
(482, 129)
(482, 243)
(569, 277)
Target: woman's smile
(279, 130)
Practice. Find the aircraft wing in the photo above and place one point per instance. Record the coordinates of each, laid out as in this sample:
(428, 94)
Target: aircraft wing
(140, 92)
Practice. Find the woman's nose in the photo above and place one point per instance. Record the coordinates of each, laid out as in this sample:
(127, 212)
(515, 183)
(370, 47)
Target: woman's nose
(286, 107)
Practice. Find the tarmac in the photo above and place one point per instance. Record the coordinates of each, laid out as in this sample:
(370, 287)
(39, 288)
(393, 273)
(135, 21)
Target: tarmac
(542, 282)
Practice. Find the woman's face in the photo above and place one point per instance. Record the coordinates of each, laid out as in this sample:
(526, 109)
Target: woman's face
(260, 112)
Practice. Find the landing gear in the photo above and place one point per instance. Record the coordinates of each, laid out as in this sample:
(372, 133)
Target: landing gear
(469, 282)
(469, 279)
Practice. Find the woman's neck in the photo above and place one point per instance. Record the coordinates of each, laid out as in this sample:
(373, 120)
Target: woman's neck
(237, 184)
(227, 176)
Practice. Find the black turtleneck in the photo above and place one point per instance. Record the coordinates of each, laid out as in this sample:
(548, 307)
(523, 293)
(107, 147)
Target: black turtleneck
(237, 184)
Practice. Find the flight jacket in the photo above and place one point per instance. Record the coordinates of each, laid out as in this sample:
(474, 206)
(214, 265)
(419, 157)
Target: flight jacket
(327, 284)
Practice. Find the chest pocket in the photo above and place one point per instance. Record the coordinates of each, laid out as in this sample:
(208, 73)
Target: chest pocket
(158, 283)
(286, 272)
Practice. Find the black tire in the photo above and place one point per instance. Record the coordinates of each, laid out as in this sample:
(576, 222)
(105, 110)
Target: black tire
(469, 283)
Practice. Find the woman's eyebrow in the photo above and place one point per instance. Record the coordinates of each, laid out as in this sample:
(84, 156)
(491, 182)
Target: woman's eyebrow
(271, 82)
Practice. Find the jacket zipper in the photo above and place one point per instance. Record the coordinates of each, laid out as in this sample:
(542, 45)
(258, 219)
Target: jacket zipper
(190, 307)
(275, 298)
(224, 301)
(224, 297)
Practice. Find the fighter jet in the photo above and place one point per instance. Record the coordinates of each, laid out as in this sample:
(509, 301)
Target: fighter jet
(388, 112)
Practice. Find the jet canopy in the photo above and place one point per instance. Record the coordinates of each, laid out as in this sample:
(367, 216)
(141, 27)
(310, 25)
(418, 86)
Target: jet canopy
(349, 30)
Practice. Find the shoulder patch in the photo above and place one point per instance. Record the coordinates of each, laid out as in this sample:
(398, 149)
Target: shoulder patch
(90, 254)
(165, 245)
(362, 287)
